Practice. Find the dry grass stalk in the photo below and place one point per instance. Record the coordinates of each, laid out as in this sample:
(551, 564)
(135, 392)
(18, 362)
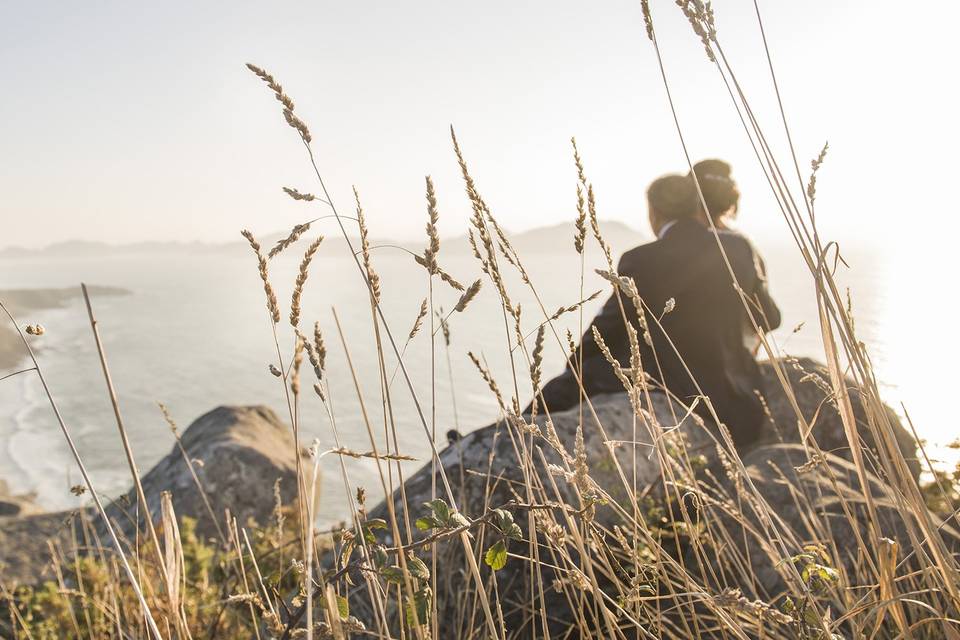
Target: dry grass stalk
(372, 278)
(145, 611)
(294, 235)
(285, 100)
(444, 276)
(580, 236)
(467, 296)
(298, 350)
(433, 245)
(488, 378)
(815, 167)
(301, 280)
(272, 306)
(700, 16)
(297, 195)
(418, 323)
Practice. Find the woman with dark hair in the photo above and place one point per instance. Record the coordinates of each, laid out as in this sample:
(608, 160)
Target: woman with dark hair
(722, 197)
(719, 191)
(697, 347)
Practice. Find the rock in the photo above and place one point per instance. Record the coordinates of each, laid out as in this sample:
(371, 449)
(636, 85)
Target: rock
(831, 490)
(484, 470)
(807, 379)
(238, 454)
(16, 505)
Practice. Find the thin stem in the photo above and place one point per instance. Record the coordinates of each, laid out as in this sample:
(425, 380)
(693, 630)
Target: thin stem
(151, 624)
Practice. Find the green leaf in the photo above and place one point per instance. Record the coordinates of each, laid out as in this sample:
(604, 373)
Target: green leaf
(392, 574)
(457, 519)
(343, 607)
(827, 574)
(496, 556)
(503, 519)
(417, 568)
(375, 523)
(418, 610)
(370, 526)
(440, 510)
(514, 532)
(379, 555)
(426, 523)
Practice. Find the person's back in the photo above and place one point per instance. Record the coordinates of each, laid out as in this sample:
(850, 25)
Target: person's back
(697, 347)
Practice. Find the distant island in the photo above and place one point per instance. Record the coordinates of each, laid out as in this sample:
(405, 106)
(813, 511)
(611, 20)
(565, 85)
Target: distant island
(539, 239)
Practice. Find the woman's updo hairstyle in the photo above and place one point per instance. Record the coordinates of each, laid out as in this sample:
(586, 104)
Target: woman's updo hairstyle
(673, 197)
(719, 190)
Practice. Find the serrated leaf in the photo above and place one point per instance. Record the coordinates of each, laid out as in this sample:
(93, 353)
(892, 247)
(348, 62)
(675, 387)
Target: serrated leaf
(417, 568)
(503, 519)
(345, 552)
(457, 519)
(440, 510)
(514, 532)
(496, 556)
(392, 574)
(418, 609)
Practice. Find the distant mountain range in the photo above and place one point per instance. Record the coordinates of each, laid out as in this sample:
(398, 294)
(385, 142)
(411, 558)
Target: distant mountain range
(540, 239)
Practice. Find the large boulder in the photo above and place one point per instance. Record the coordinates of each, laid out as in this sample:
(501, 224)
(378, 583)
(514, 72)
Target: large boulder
(487, 459)
(494, 465)
(812, 511)
(810, 385)
(237, 453)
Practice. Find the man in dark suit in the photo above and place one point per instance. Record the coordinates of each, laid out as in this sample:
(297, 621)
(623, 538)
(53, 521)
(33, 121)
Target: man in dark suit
(703, 335)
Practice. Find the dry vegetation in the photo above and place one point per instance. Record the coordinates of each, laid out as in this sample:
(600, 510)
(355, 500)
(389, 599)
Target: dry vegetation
(619, 576)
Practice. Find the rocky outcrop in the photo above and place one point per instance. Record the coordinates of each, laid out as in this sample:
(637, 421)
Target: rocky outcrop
(238, 453)
(488, 456)
(484, 468)
(795, 489)
(809, 383)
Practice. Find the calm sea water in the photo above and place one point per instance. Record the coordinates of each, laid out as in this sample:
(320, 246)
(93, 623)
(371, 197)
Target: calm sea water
(194, 335)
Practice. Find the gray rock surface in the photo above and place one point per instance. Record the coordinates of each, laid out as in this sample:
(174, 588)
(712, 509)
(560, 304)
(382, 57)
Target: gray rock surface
(484, 471)
(467, 462)
(238, 454)
(794, 490)
(807, 379)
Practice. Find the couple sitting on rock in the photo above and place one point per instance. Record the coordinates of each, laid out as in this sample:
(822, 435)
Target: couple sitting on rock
(701, 339)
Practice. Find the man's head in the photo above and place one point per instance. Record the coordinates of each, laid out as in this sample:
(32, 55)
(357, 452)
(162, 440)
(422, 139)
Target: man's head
(669, 198)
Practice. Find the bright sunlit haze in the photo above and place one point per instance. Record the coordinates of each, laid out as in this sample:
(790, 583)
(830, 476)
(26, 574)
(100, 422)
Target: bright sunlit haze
(127, 123)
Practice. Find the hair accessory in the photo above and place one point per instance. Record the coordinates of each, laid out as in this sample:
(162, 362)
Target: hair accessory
(716, 178)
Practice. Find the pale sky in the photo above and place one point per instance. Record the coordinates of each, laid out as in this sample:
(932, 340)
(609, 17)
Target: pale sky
(127, 121)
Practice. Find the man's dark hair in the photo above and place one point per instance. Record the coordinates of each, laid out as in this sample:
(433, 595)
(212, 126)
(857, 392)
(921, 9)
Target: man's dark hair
(673, 197)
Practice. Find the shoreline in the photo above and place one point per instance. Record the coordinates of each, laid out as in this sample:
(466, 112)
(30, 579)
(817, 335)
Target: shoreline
(25, 301)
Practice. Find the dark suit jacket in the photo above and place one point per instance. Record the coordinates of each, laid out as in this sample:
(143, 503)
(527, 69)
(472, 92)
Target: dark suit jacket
(706, 327)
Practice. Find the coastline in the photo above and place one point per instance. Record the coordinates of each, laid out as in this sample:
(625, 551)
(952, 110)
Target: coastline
(25, 301)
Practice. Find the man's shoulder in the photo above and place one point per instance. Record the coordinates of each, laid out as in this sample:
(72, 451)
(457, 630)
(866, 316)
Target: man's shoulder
(639, 255)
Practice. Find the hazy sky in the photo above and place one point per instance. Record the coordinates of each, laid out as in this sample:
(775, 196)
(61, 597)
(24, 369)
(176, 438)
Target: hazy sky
(128, 121)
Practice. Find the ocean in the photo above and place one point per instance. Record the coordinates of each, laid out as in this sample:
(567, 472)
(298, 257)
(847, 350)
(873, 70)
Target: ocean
(194, 334)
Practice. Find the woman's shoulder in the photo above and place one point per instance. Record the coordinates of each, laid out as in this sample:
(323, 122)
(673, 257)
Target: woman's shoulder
(736, 240)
